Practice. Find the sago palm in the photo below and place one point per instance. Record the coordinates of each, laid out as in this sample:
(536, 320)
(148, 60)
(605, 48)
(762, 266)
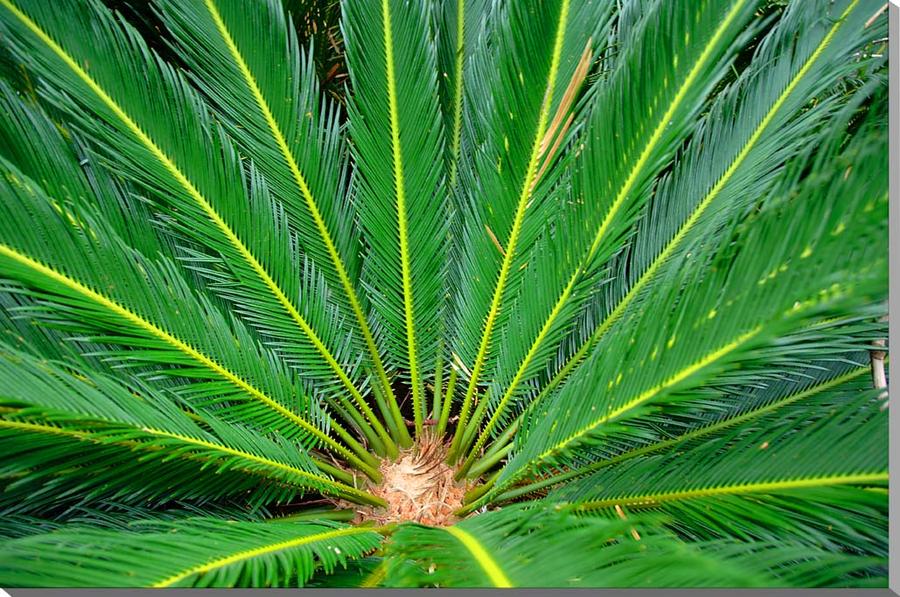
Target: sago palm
(574, 293)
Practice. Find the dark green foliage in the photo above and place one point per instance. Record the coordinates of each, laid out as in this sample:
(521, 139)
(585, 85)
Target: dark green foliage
(628, 258)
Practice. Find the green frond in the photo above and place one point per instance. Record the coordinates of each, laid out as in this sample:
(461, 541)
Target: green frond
(655, 114)
(274, 112)
(361, 573)
(768, 476)
(292, 137)
(117, 515)
(727, 409)
(397, 139)
(458, 29)
(793, 263)
(198, 552)
(80, 434)
(200, 184)
(141, 305)
(49, 153)
(545, 547)
(756, 125)
(820, 350)
(22, 333)
(526, 90)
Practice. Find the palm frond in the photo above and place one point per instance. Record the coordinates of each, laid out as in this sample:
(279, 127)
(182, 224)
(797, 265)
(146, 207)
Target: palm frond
(361, 573)
(458, 28)
(777, 470)
(546, 547)
(198, 552)
(82, 434)
(523, 91)
(792, 241)
(394, 112)
(823, 348)
(726, 409)
(755, 126)
(274, 113)
(200, 184)
(22, 333)
(46, 151)
(118, 515)
(601, 213)
(121, 305)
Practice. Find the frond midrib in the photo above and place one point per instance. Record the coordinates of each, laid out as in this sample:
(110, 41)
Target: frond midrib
(457, 91)
(317, 481)
(259, 551)
(402, 224)
(481, 555)
(770, 486)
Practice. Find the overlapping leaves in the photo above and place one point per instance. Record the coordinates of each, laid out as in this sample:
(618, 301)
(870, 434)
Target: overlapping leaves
(628, 256)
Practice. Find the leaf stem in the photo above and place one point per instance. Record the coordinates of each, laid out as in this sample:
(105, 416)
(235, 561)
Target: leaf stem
(438, 382)
(344, 515)
(448, 401)
(334, 471)
(488, 461)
